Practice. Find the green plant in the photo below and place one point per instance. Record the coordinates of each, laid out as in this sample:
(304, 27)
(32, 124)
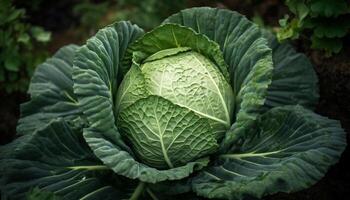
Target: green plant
(148, 13)
(203, 105)
(91, 14)
(327, 20)
(20, 45)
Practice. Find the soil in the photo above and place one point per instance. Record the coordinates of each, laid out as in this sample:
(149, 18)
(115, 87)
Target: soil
(9, 114)
(334, 83)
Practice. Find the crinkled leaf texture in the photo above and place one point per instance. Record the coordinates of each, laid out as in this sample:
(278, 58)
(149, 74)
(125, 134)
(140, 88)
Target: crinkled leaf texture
(51, 91)
(97, 66)
(247, 55)
(190, 80)
(55, 158)
(184, 67)
(166, 135)
(168, 36)
(166, 62)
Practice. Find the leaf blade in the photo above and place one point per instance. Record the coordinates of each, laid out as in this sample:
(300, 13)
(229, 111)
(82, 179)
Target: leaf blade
(290, 149)
(165, 135)
(97, 73)
(51, 91)
(51, 159)
(294, 81)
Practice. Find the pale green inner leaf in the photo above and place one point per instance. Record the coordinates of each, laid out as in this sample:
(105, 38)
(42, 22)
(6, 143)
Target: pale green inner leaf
(190, 80)
(165, 135)
(131, 89)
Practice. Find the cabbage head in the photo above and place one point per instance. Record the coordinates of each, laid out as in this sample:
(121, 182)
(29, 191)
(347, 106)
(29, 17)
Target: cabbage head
(206, 105)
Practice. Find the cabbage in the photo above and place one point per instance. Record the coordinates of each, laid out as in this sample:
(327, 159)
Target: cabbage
(205, 105)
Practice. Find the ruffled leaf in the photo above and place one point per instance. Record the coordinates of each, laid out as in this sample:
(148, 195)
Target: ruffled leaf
(290, 149)
(51, 91)
(96, 75)
(294, 81)
(168, 36)
(57, 160)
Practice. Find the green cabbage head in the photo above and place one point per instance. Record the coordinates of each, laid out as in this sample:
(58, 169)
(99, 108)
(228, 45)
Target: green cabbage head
(174, 106)
(206, 105)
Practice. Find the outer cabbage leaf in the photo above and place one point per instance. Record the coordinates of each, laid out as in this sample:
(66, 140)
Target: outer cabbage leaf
(56, 159)
(168, 36)
(51, 91)
(248, 57)
(165, 135)
(294, 80)
(96, 72)
(290, 149)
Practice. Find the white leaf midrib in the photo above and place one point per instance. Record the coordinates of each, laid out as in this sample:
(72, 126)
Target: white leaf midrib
(217, 88)
(164, 151)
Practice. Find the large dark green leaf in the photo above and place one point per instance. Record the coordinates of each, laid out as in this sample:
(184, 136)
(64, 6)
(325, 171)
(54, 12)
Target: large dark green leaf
(290, 149)
(37, 194)
(96, 73)
(51, 91)
(294, 80)
(245, 51)
(57, 159)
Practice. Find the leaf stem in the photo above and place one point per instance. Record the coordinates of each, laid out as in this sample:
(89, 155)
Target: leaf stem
(151, 194)
(90, 167)
(139, 189)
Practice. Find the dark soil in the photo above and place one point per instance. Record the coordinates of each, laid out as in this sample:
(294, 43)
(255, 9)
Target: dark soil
(9, 114)
(52, 15)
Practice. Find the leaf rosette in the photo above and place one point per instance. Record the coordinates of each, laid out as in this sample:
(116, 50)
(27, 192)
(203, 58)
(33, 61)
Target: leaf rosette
(204, 105)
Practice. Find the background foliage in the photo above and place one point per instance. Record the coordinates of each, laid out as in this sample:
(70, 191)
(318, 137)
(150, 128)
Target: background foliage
(21, 47)
(324, 24)
(327, 22)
